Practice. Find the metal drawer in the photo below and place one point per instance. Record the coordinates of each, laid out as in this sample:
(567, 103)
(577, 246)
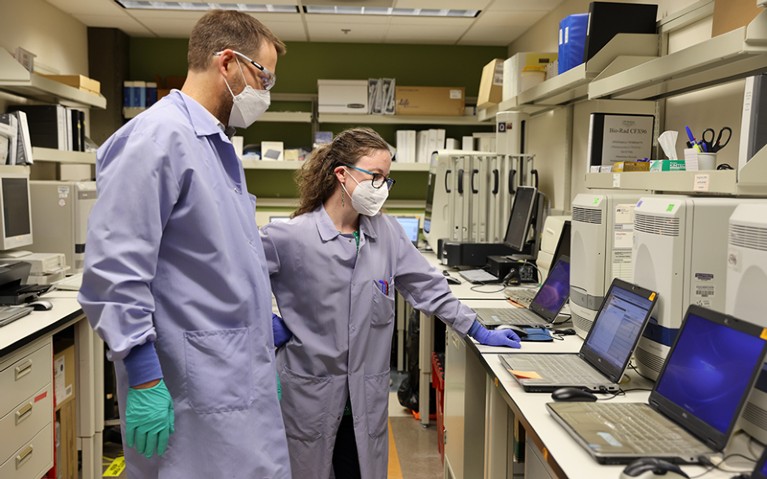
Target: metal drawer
(32, 460)
(24, 421)
(24, 376)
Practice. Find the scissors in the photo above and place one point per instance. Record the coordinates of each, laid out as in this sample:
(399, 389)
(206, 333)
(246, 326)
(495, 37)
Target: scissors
(712, 146)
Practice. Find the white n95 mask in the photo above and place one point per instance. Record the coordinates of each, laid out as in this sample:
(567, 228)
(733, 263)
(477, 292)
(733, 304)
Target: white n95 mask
(248, 105)
(367, 199)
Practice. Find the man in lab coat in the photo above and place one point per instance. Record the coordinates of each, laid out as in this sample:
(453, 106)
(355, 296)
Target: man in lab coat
(175, 280)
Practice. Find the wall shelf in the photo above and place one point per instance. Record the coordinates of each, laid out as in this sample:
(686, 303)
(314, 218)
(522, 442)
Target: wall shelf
(293, 203)
(400, 119)
(729, 56)
(294, 165)
(61, 156)
(15, 79)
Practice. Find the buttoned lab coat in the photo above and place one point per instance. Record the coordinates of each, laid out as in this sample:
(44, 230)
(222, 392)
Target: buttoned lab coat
(174, 256)
(342, 319)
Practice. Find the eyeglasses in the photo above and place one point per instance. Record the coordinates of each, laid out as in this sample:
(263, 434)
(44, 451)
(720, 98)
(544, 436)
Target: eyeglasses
(268, 79)
(378, 179)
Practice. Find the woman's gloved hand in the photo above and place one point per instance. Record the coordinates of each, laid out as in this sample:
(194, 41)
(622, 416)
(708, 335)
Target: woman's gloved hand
(149, 420)
(496, 337)
(280, 330)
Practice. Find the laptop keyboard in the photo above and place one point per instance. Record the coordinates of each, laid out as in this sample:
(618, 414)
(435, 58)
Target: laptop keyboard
(643, 429)
(523, 296)
(564, 368)
(511, 316)
(9, 314)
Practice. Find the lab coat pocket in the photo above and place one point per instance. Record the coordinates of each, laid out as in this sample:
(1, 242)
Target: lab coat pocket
(219, 370)
(377, 400)
(304, 404)
(382, 312)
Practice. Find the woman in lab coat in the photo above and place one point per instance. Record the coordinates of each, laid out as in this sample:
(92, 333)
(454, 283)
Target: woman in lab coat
(334, 268)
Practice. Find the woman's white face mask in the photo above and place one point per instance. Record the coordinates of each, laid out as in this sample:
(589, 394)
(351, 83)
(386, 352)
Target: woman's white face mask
(366, 199)
(248, 105)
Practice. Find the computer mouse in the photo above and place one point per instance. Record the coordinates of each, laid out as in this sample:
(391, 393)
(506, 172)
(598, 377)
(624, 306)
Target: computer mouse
(573, 394)
(648, 467)
(520, 331)
(41, 305)
(452, 280)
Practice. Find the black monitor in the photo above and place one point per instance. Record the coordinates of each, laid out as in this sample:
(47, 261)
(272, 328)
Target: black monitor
(521, 218)
(563, 245)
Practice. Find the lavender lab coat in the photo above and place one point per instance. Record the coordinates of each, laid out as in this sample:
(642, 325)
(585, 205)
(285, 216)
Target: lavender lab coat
(174, 256)
(342, 326)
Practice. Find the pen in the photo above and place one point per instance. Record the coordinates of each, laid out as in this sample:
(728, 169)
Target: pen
(692, 138)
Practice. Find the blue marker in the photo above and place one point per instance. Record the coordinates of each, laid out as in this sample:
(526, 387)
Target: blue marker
(693, 142)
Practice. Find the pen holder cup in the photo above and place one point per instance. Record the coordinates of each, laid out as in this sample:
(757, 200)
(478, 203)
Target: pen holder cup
(706, 161)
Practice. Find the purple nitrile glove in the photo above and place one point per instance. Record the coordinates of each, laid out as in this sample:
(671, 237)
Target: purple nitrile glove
(496, 337)
(280, 330)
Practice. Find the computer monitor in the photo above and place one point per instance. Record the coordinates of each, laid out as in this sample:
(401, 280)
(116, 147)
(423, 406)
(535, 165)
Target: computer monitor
(410, 225)
(16, 220)
(520, 219)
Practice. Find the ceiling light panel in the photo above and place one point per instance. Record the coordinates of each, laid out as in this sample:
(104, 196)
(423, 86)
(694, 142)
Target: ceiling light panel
(204, 6)
(408, 12)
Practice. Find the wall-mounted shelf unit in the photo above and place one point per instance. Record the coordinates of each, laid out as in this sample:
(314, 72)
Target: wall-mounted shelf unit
(61, 156)
(399, 119)
(15, 79)
(294, 165)
(729, 56)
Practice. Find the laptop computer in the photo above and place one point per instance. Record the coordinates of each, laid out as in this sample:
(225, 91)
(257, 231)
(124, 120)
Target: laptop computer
(694, 405)
(544, 308)
(410, 225)
(605, 353)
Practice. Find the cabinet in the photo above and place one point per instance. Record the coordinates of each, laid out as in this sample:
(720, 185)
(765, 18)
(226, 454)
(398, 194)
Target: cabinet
(26, 412)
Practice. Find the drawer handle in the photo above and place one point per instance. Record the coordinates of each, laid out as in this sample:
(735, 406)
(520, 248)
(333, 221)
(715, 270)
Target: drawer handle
(23, 413)
(23, 369)
(24, 456)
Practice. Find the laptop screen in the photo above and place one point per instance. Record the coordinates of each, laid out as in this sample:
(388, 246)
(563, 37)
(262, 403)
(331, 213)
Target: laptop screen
(710, 369)
(617, 327)
(410, 225)
(554, 291)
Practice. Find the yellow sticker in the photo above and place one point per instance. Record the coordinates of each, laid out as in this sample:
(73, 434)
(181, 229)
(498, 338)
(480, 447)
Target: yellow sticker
(526, 374)
(764, 334)
(652, 296)
(116, 468)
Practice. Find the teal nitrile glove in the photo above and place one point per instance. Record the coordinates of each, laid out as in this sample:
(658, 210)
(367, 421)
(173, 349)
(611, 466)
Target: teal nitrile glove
(149, 420)
(496, 337)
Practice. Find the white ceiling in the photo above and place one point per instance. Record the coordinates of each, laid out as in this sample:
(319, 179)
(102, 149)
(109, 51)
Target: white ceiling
(499, 23)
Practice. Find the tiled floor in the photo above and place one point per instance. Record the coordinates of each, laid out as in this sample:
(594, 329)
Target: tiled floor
(412, 449)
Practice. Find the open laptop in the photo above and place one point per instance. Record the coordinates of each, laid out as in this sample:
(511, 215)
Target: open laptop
(694, 405)
(544, 308)
(605, 353)
(410, 225)
(525, 296)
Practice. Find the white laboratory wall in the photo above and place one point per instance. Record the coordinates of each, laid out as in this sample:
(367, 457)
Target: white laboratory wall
(58, 39)
(549, 138)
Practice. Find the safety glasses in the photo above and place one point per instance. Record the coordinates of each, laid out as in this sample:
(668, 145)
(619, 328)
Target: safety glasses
(268, 79)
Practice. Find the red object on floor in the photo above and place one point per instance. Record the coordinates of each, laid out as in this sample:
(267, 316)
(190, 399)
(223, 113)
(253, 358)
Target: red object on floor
(438, 382)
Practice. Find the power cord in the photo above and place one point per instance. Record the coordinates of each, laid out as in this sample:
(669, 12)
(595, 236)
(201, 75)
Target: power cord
(474, 288)
(711, 465)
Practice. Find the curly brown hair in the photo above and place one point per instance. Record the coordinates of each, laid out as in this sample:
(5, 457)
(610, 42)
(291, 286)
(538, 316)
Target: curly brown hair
(316, 181)
(221, 29)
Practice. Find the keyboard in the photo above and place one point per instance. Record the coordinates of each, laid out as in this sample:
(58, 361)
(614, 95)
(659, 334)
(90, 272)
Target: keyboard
(511, 316)
(478, 276)
(523, 296)
(70, 283)
(9, 314)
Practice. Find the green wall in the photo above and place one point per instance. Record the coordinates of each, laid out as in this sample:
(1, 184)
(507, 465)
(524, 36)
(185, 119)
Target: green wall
(305, 63)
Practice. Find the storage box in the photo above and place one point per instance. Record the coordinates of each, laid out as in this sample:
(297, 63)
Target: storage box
(572, 39)
(66, 445)
(732, 14)
(668, 165)
(429, 100)
(491, 84)
(342, 96)
(272, 150)
(626, 166)
(78, 81)
(64, 373)
(523, 71)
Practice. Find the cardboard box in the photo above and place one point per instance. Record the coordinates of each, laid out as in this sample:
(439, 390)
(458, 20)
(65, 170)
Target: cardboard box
(491, 84)
(732, 14)
(668, 165)
(64, 373)
(78, 81)
(342, 96)
(430, 100)
(66, 445)
(523, 71)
